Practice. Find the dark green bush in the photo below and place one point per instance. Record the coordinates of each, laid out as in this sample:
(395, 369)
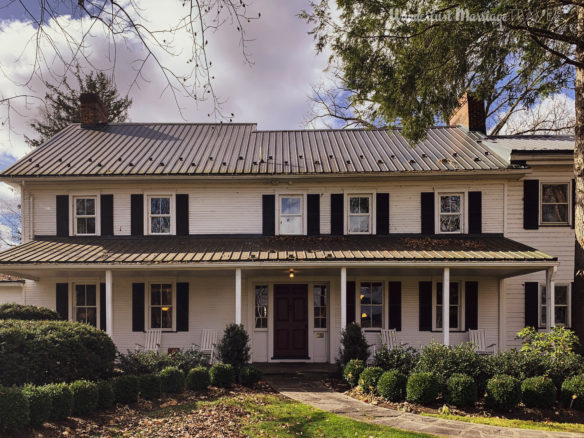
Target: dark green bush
(150, 386)
(233, 348)
(392, 386)
(249, 375)
(85, 396)
(105, 397)
(400, 358)
(14, 409)
(422, 388)
(53, 351)
(61, 400)
(461, 390)
(352, 371)
(353, 345)
(126, 388)
(173, 380)
(538, 392)
(369, 378)
(39, 401)
(152, 362)
(503, 392)
(198, 378)
(27, 313)
(222, 375)
(573, 392)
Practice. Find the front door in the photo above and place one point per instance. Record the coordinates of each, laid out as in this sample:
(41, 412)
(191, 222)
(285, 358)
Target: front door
(291, 321)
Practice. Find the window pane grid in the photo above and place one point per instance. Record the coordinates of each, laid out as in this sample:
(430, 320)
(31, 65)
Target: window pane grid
(455, 306)
(84, 215)
(555, 203)
(291, 215)
(561, 305)
(86, 304)
(371, 299)
(359, 214)
(160, 215)
(320, 306)
(161, 306)
(451, 213)
(261, 307)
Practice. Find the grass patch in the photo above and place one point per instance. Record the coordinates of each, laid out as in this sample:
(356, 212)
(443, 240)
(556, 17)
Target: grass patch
(521, 424)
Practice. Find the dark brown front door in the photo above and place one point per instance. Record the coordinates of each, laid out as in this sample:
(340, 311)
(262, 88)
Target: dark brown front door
(291, 321)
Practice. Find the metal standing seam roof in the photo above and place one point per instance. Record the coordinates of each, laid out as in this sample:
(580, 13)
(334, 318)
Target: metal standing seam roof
(534, 143)
(240, 149)
(194, 250)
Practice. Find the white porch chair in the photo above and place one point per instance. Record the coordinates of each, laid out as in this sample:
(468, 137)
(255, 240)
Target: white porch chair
(479, 339)
(153, 340)
(388, 338)
(209, 339)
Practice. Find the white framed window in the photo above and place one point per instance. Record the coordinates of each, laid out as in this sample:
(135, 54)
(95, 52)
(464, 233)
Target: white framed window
(562, 306)
(555, 204)
(371, 304)
(261, 307)
(85, 307)
(456, 307)
(161, 307)
(450, 213)
(160, 214)
(320, 293)
(291, 214)
(359, 214)
(85, 215)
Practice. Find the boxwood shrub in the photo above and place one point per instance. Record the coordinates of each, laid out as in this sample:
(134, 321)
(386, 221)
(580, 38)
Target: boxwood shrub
(85, 396)
(53, 351)
(538, 392)
(14, 409)
(399, 358)
(249, 375)
(126, 388)
(422, 388)
(105, 397)
(173, 380)
(40, 403)
(573, 392)
(369, 378)
(461, 390)
(150, 386)
(152, 362)
(222, 375)
(503, 392)
(353, 370)
(27, 313)
(392, 386)
(198, 378)
(61, 400)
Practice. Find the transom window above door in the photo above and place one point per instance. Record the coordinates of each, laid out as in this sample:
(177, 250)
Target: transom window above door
(360, 214)
(450, 213)
(291, 215)
(159, 214)
(555, 204)
(85, 216)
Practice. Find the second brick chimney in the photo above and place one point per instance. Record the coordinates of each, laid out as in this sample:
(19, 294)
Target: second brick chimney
(92, 110)
(471, 114)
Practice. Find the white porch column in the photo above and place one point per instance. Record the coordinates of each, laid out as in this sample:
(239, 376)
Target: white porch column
(109, 305)
(550, 298)
(446, 305)
(238, 296)
(343, 298)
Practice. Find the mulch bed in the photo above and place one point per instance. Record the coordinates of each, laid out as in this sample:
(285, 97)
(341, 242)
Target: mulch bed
(171, 416)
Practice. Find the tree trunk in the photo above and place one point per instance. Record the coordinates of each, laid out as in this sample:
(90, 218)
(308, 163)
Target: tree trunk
(578, 291)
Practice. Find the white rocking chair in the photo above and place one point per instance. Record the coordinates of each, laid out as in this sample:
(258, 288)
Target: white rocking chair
(153, 340)
(388, 338)
(479, 339)
(209, 339)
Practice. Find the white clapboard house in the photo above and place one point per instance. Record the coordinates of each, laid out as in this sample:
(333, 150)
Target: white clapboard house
(186, 227)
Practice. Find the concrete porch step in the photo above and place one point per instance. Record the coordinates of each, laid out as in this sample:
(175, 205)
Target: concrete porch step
(305, 370)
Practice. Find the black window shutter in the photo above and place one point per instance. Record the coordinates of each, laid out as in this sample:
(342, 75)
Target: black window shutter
(137, 215)
(395, 320)
(182, 215)
(573, 203)
(337, 215)
(382, 223)
(313, 215)
(182, 307)
(62, 215)
(102, 323)
(350, 302)
(425, 306)
(427, 210)
(475, 212)
(106, 205)
(137, 307)
(573, 316)
(62, 304)
(268, 215)
(531, 307)
(531, 204)
(471, 303)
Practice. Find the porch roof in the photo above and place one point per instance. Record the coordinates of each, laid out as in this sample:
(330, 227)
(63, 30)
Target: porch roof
(176, 250)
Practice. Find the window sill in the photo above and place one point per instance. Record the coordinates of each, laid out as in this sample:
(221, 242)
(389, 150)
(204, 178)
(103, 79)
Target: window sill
(544, 225)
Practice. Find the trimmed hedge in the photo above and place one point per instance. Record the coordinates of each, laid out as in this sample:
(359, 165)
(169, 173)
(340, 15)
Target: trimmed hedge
(422, 388)
(503, 392)
(14, 408)
(42, 352)
(105, 397)
(538, 392)
(173, 380)
(198, 379)
(249, 375)
(27, 313)
(126, 388)
(150, 386)
(85, 396)
(369, 378)
(222, 375)
(573, 392)
(40, 403)
(352, 371)
(392, 386)
(61, 401)
(461, 390)
(152, 362)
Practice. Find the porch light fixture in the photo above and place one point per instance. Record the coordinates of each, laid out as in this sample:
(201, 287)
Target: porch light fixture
(291, 273)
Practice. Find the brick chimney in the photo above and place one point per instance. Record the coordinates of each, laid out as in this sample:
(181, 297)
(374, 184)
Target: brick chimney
(470, 113)
(92, 111)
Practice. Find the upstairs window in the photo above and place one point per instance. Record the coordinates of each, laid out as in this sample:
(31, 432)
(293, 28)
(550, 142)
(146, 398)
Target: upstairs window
(86, 304)
(291, 217)
(159, 214)
(84, 220)
(359, 214)
(555, 204)
(450, 212)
